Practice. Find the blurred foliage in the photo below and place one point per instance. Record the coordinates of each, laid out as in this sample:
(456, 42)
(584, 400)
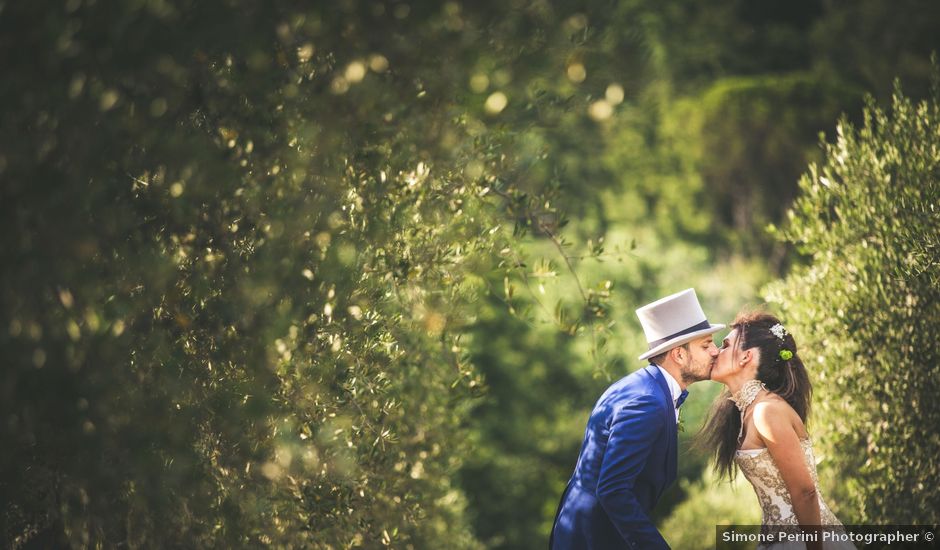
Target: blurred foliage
(710, 501)
(541, 381)
(866, 43)
(742, 91)
(353, 275)
(867, 309)
(240, 243)
(781, 115)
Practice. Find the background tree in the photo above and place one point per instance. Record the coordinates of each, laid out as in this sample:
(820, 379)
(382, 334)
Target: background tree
(353, 275)
(867, 307)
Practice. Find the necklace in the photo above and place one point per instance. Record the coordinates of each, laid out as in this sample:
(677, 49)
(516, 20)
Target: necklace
(744, 397)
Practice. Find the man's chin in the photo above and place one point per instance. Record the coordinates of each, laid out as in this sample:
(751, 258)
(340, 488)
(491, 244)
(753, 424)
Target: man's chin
(693, 375)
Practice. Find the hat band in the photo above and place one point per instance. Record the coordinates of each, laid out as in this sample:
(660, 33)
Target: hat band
(701, 326)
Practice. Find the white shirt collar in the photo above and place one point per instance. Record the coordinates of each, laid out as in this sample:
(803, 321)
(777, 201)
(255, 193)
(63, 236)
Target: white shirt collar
(674, 387)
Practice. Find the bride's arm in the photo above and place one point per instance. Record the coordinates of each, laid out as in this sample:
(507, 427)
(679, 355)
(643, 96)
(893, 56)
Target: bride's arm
(773, 422)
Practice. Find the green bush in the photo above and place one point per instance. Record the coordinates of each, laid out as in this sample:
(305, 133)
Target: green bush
(234, 248)
(239, 242)
(781, 115)
(866, 310)
(711, 501)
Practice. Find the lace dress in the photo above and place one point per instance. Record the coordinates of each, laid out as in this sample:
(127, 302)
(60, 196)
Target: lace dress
(759, 468)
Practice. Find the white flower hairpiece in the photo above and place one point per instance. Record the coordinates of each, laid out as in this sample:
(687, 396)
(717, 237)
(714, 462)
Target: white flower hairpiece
(778, 331)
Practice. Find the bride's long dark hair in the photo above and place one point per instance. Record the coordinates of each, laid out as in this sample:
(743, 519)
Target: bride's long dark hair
(786, 378)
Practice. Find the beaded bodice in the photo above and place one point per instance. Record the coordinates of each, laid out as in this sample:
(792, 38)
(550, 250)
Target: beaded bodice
(759, 468)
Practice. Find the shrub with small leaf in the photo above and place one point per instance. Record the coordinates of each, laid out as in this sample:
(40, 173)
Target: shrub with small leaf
(866, 310)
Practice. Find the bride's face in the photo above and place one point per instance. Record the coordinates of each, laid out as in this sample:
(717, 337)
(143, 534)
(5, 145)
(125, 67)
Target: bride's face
(724, 366)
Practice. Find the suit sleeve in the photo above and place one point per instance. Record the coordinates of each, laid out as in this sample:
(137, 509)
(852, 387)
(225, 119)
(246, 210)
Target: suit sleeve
(633, 432)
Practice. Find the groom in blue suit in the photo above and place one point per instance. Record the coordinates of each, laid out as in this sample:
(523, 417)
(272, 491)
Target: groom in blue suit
(628, 457)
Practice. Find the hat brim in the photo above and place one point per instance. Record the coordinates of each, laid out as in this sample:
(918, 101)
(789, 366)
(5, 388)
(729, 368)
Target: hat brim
(679, 340)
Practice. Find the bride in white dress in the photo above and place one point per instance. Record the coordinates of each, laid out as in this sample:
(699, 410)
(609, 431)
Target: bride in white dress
(758, 425)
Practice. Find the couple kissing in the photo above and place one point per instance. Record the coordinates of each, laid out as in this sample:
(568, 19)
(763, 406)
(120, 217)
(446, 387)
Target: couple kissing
(757, 425)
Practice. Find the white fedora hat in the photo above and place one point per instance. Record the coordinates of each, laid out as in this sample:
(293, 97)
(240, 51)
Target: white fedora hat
(673, 321)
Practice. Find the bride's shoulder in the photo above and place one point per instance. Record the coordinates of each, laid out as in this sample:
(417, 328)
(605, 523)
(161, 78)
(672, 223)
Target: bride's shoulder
(772, 404)
(772, 413)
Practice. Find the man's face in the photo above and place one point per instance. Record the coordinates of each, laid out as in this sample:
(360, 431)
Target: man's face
(699, 360)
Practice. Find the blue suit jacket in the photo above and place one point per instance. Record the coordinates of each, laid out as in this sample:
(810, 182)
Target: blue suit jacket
(627, 460)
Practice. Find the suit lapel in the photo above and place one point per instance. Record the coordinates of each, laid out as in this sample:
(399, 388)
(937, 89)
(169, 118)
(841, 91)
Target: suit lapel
(666, 396)
(672, 433)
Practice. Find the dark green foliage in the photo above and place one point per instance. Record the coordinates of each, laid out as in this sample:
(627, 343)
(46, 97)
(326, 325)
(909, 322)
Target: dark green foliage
(753, 84)
(865, 43)
(229, 278)
(526, 426)
(781, 115)
(240, 241)
(867, 308)
(257, 260)
(869, 43)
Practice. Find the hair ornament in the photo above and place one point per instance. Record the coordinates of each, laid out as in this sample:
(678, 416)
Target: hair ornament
(779, 331)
